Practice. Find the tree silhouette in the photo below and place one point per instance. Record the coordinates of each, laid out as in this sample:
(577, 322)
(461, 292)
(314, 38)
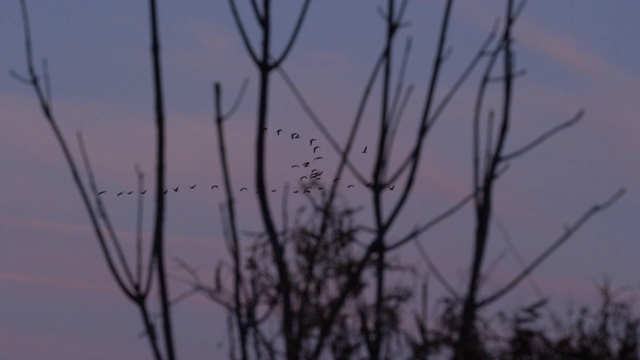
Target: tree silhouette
(323, 286)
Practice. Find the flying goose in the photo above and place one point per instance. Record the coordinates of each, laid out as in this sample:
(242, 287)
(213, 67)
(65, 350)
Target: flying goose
(175, 189)
(365, 150)
(143, 192)
(295, 135)
(102, 192)
(278, 132)
(244, 188)
(311, 142)
(392, 187)
(306, 164)
(192, 186)
(214, 187)
(120, 193)
(315, 148)
(130, 192)
(165, 192)
(317, 158)
(350, 186)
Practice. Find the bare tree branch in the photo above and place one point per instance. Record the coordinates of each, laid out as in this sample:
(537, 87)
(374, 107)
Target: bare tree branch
(245, 38)
(294, 35)
(542, 138)
(569, 231)
(158, 233)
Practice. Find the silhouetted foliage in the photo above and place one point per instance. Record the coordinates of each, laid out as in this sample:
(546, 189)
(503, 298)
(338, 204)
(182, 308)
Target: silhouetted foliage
(607, 332)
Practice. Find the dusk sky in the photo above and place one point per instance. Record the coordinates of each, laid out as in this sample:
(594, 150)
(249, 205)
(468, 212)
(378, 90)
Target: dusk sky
(57, 300)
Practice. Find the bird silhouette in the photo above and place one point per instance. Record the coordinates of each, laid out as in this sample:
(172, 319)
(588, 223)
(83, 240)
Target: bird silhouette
(295, 135)
(214, 187)
(350, 186)
(315, 148)
(317, 158)
(311, 142)
(192, 186)
(130, 192)
(175, 189)
(306, 164)
(165, 192)
(336, 179)
(273, 190)
(296, 191)
(365, 150)
(244, 188)
(120, 193)
(278, 132)
(102, 192)
(295, 166)
(143, 192)
(303, 177)
(264, 128)
(392, 187)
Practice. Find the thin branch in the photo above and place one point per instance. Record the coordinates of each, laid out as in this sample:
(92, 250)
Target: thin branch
(393, 110)
(449, 95)
(32, 80)
(231, 225)
(316, 120)
(241, 29)
(237, 101)
(424, 123)
(434, 269)
(94, 190)
(433, 222)
(139, 221)
(294, 35)
(542, 138)
(477, 113)
(512, 247)
(257, 13)
(569, 231)
(47, 82)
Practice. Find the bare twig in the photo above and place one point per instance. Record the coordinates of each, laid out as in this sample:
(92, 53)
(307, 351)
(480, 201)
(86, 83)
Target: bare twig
(542, 138)
(568, 232)
(434, 269)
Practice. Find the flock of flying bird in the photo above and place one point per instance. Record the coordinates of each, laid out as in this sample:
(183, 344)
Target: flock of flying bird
(314, 174)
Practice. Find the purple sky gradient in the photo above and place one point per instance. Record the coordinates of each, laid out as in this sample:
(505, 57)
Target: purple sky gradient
(59, 302)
